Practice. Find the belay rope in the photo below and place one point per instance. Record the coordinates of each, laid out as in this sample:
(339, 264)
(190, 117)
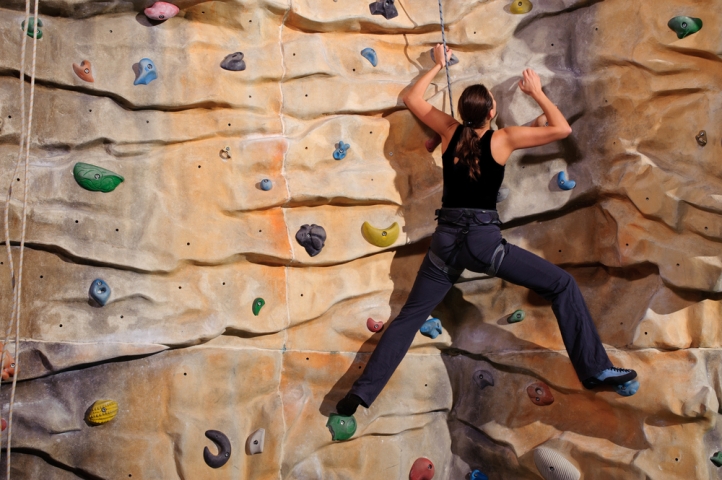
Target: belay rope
(16, 282)
(446, 60)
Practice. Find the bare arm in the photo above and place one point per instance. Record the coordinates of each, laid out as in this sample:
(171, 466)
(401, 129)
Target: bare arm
(515, 138)
(438, 121)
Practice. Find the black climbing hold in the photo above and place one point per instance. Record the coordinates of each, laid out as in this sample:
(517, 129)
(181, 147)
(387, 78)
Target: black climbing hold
(99, 291)
(483, 379)
(385, 8)
(452, 61)
(224, 449)
(234, 62)
(312, 238)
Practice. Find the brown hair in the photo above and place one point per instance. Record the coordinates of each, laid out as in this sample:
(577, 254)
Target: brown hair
(474, 106)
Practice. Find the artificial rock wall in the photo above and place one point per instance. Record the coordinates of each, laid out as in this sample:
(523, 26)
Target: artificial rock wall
(189, 240)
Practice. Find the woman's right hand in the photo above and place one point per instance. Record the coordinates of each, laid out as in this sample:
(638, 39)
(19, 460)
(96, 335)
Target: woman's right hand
(530, 82)
(439, 54)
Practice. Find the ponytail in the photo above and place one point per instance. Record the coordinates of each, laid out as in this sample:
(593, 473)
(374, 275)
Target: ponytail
(474, 107)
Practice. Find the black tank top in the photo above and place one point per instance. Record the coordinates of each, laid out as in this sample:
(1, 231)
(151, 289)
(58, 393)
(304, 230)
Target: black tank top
(460, 190)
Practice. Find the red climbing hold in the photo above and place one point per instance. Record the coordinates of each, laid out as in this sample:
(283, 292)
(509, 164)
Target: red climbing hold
(432, 143)
(540, 394)
(373, 325)
(422, 469)
(3, 425)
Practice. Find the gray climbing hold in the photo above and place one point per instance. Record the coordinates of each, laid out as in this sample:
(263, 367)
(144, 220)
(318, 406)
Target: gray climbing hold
(255, 441)
(341, 149)
(234, 62)
(553, 466)
(99, 292)
(385, 8)
(564, 183)
(266, 184)
(452, 61)
(483, 379)
(312, 238)
(628, 389)
(431, 328)
(224, 449)
(370, 55)
(502, 194)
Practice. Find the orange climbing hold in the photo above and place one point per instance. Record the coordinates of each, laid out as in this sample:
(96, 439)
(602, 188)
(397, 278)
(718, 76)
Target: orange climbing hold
(540, 394)
(84, 71)
(8, 367)
(422, 469)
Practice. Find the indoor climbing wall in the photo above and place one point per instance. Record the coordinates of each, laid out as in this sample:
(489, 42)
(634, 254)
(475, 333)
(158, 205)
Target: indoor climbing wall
(227, 201)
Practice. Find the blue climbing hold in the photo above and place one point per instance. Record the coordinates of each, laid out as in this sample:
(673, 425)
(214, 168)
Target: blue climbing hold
(564, 183)
(370, 55)
(147, 72)
(341, 149)
(266, 184)
(477, 475)
(628, 389)
(431, 328)
(99, 291)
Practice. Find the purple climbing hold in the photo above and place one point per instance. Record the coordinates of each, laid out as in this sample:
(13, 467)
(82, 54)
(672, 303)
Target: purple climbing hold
(385, 8)
(312, 238)
(234, 62)
(452, 61)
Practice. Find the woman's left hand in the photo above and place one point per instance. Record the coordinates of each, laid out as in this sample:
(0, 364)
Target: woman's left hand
(439, 54)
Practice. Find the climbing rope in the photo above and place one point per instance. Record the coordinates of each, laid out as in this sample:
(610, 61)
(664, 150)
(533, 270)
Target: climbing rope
(446, 60)
(24, 143)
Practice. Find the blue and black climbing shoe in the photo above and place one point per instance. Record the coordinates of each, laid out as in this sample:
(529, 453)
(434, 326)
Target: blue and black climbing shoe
(347, 405)
(611, 376)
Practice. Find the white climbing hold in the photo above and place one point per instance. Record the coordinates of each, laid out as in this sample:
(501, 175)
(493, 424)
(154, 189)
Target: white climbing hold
(553, 466)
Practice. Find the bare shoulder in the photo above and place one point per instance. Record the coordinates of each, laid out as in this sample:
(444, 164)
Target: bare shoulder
(501, 148)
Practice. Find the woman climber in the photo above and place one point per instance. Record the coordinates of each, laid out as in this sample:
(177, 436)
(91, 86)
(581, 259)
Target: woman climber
(468, 235)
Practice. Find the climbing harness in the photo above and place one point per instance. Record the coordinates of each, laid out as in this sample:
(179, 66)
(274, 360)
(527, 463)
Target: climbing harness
(466, 217)
(17, 283)
(446, 60)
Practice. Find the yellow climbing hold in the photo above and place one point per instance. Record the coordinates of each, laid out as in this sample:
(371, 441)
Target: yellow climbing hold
(519, 7)
(102, 411)
(381, 237)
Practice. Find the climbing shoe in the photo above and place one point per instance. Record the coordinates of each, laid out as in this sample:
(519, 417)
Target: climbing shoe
(347, 405)
(610, 376)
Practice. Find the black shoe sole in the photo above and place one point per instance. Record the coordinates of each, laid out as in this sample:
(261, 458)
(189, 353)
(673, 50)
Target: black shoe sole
(591, 383)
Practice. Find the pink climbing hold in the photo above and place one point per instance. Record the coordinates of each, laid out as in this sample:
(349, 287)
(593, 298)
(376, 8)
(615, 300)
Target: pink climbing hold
(422, 469)
(373, 325)
(161, 11)
(432, 143)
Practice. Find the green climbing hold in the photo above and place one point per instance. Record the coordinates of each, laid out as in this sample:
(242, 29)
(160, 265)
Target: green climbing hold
(717, 459)
(685, 26)
(257, 305)
(96, 179)
(31, 28)
(516, 317)
(341, 426)
(519, 7)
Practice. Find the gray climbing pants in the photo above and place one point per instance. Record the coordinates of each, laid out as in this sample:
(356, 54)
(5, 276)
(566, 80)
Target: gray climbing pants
(471, 239)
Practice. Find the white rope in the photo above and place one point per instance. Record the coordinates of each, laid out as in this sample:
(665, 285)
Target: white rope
(17, 284)
(446, 60)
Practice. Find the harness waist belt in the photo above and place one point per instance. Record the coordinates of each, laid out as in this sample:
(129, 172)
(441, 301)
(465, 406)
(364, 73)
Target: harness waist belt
(468, 216)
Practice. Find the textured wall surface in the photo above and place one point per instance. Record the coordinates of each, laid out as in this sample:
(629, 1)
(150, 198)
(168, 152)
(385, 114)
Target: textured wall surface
(189, 239)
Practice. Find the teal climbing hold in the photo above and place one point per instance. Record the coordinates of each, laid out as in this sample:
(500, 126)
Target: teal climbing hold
(342, 427)
(370, 55)
(96, 179)
(685, 26)
(431, 328)
(477, 475)
(564, 183)
(147, 72)
(516, 317)
(341, 149)
(258, 305)
(99, 291)
(31, 28)
(717, 459)
(628, 389)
